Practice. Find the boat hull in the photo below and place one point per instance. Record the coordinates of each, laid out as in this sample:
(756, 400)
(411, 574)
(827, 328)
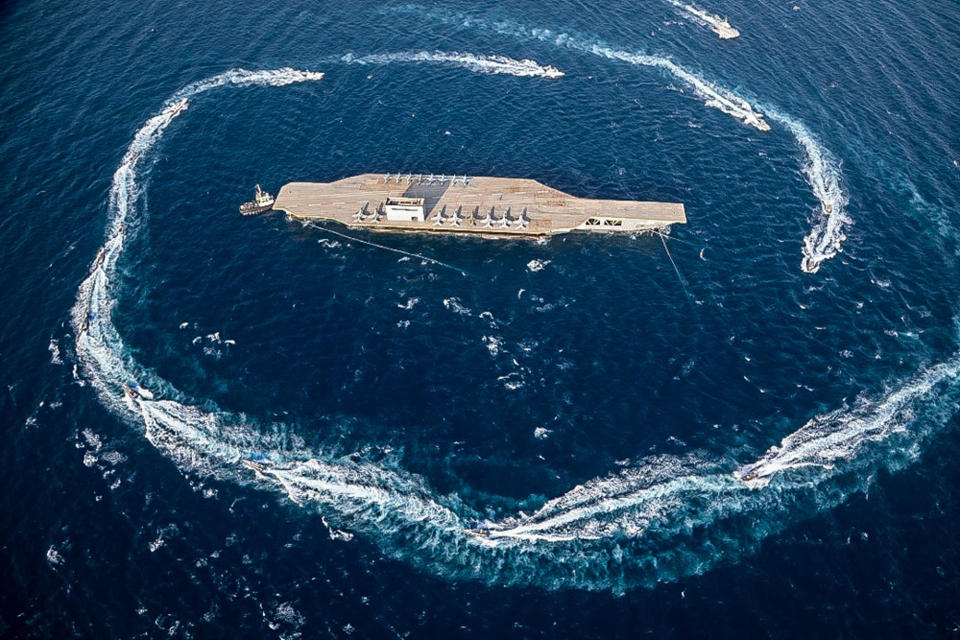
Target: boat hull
(251, 208)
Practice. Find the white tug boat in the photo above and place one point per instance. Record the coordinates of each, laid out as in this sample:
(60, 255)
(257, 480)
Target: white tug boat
(262, 201)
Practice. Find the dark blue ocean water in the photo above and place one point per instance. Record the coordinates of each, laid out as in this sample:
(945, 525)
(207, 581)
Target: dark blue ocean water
(584, 396)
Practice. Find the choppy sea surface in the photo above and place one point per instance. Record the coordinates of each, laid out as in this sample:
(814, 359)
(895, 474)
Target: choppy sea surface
(586, 398)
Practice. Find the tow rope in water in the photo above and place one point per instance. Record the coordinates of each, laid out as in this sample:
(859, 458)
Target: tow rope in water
(676, 270)
(400, 251)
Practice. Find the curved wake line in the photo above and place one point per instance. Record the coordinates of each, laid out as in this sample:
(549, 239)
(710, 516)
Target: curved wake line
(659, 520)
(829, 440)
(843, 442)
(826, 238)
(820, 168)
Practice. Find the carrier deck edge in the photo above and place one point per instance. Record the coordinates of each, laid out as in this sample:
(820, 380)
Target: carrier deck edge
(490, 206)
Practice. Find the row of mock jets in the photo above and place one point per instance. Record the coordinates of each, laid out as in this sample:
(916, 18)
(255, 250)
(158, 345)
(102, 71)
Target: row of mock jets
(362, 215)
(440, 218)
(521, 222)
(420, 178)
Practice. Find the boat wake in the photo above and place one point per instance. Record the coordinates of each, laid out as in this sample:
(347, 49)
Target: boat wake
(820, 168)
(839, 436)
(481, 64)
(719, 25)
(833, 444)
(660, 519)
(714, 95)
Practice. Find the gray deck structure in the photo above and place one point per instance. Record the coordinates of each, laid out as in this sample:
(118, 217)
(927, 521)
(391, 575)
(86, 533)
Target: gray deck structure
(492, 207)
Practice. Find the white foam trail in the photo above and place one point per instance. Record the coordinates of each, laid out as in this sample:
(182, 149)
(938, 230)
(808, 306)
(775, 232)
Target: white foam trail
(715, 96)
(827, 440)
(482, 64)
(211, 441)
(821, 169)
(243, 78)
(625, 504)
(657, 521)
(660, 493)
(719, 25)
(99, 346)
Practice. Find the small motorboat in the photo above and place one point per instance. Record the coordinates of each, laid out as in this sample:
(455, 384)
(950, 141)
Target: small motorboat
(135, 392)
(256, 465)
(483, 529)
(260, 464)
(262, 201)
(747, 472)
(725, 30)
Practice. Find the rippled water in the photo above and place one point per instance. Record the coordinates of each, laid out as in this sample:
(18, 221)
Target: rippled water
(585, 398)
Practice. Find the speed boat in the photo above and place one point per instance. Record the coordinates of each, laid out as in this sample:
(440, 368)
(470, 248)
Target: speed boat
(484, 530)
(258, 466)
(261, 464)
(135, 391)
(179, 106)
(747, 472)
(725, 30)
